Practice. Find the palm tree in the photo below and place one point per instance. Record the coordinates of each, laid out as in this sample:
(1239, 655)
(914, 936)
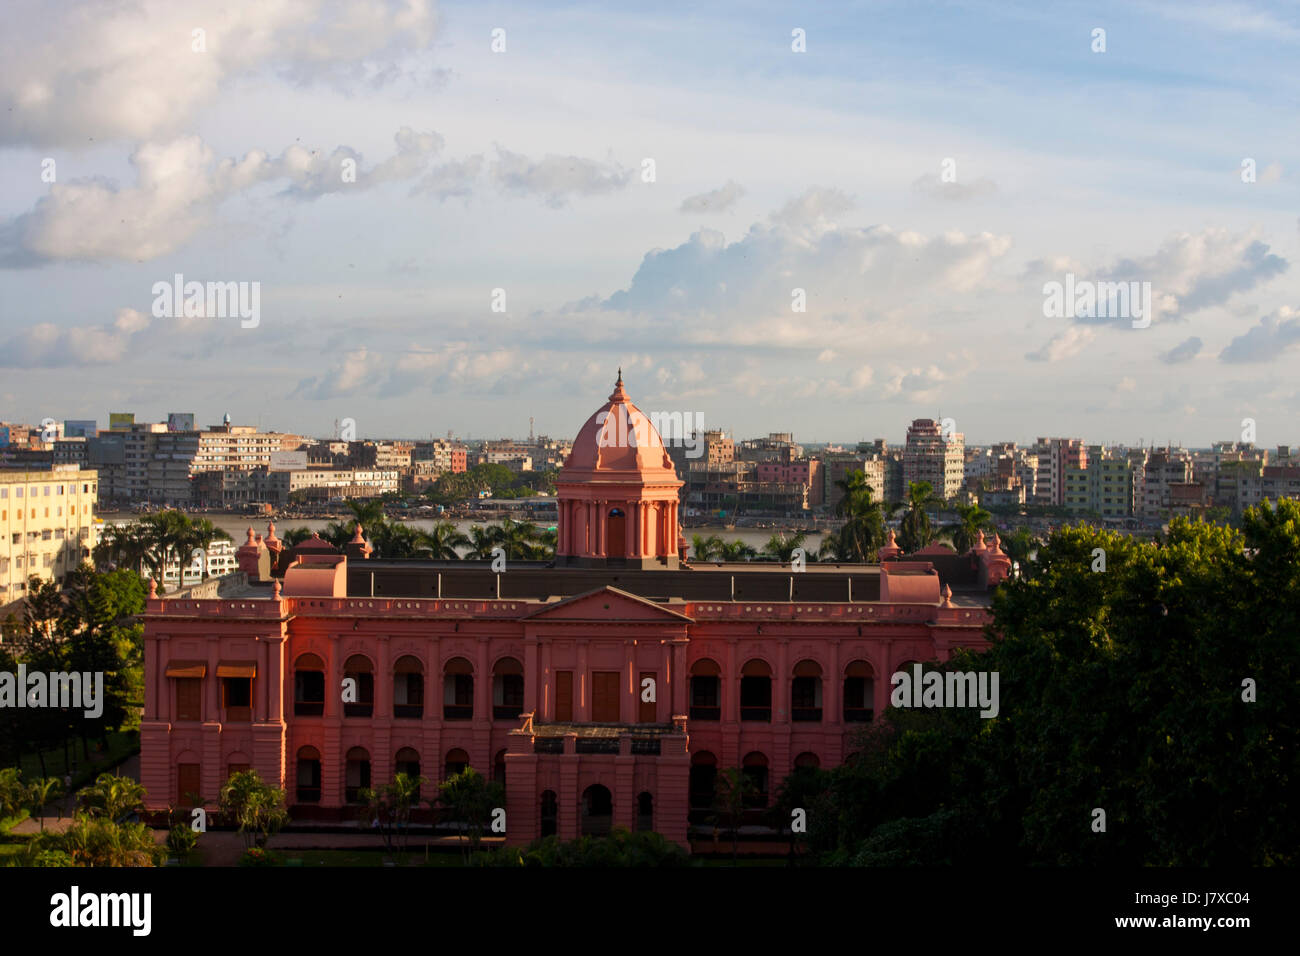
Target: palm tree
(124, 546)
(524, 541)
(864, 532)
(200, 533)
(112, 796)
(40, 794)
(1021, 546)
(970, 520)
(368, 513)
(296, 536)
(736, 550)
(444, 540)
(780, 547)
(482, 539)
(914, 530)
(704, 549)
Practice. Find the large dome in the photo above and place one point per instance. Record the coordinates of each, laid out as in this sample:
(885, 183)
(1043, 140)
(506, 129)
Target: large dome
(618, 441)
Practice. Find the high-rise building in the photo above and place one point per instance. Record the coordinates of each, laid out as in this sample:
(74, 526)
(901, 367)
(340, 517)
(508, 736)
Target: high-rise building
(934, 456)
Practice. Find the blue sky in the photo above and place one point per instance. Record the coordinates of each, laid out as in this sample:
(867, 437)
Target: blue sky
(774, 170)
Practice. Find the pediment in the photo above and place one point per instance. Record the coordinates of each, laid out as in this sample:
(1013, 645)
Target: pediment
(607, 604)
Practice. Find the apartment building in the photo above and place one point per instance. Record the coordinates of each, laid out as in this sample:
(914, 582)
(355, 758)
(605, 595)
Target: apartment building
(1164, 467)
(930, 455)
(1055, 456)
(1105, 486)
(47, 525)
(836, 468)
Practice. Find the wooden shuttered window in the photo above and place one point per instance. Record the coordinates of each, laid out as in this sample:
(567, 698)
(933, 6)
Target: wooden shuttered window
(564, 696)
(189, 698)
(604, 697)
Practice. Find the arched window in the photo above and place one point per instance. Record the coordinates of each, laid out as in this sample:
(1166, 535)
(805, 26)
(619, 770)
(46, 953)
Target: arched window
(362, 691)
(507, 689)
(308, 775)
(859, 692)
(645, 811)
(457, 761)
(550, 813)
(458, 690)
(703, 780)
(706, 690)
(754, 766)
(358, 774)
(408, 688)
(188, 786)
(308, 686)
(807, 761)
(756, 691)
(597, 810)
(499, 768)
(806, 692)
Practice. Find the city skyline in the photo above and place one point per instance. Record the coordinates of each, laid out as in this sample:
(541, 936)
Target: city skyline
(918, 190)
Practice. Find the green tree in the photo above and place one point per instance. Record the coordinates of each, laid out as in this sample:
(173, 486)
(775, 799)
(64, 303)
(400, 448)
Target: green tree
(706, 549)
(971, 519)
(734, 793)
(256, 807)
(914, 531)
(863, 532)
(470, 800)
(112, 797)
(98, 841)
(40, 794)
(389, 807)
(780, 547)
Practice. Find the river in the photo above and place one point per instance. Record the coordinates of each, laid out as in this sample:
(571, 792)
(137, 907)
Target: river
(237, 527)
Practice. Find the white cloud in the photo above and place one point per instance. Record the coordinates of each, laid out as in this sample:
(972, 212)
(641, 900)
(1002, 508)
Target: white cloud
(715, 200)
(81, 71)
(178, 186)
(46, 345)
(556, 178)
(1063, 345)
(1276, 333)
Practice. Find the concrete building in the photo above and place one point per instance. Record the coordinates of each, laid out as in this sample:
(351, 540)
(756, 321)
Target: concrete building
(47, 525)
(930, 455)
(1055, 456)
(610, 688)
(1104, 487)
(1164, 467)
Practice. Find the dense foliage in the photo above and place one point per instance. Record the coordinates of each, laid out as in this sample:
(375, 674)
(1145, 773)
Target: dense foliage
(1126, 690)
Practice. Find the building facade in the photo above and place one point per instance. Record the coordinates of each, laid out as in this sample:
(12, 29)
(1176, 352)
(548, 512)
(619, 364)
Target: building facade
(47, 525)
(607, 687)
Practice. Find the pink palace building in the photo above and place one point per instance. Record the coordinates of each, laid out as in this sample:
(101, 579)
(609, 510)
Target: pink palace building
(606, 687)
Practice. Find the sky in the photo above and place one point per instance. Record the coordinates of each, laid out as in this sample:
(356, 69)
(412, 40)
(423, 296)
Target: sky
(823, 218)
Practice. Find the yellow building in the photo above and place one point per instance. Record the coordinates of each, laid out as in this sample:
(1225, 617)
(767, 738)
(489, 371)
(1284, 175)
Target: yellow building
(47, 525)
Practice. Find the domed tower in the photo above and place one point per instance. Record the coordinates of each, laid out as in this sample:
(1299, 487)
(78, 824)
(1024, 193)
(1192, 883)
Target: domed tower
(617, 492)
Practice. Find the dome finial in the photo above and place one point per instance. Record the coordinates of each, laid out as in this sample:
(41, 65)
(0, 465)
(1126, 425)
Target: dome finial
(620, 376)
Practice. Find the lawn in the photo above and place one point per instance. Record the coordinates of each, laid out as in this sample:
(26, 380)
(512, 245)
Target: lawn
(366, 857)
(120, 746)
